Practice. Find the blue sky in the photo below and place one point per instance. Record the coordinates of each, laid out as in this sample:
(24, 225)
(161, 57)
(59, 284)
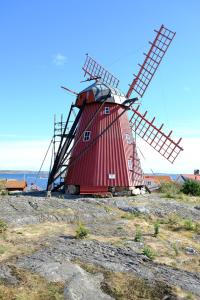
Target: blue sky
(43, 46)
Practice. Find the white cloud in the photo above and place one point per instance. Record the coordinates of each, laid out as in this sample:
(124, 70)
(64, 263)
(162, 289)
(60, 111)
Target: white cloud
(23, 155)
(59, 59)
(186, 162)
(28, 155)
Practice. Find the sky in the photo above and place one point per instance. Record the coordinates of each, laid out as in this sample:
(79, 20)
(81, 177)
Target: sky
(43, 46)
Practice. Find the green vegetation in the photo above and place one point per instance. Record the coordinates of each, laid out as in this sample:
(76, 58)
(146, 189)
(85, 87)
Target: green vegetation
(81, 231)
(156, 228)
(31, 287)
(189, 225)
(3, 226)
(191, 187)
(148, 251)
(170, 189)
(138, 234)
(173, 220)
(2, 249)
(126, 286)
(3, 191)
(175, 248)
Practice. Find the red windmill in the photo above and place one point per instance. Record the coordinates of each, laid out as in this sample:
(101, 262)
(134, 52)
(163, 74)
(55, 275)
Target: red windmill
(98, 152)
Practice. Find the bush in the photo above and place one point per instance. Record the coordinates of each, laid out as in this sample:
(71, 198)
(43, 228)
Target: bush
(189, 225)
(81, 231)
(3, 226)
(148, 251)
(138, 234)
(191, 187)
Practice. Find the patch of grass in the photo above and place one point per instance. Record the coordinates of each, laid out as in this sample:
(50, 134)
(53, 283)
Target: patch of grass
(173, 220)
(108, 209)
(3, 192)
(189, 225)
(119, 228)
(149, 252)
(126, 286)
(2, 249)
(156, 228)
(81, 231)
(30, 287)
(175, 248)
(3, 227)
(138, 234)
(170, 189)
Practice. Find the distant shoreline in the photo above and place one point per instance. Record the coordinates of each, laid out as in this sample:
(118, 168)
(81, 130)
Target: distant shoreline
(21, 172)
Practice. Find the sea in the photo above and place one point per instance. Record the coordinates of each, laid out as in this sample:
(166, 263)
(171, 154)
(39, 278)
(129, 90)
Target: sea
(30, 177)
(41, 180)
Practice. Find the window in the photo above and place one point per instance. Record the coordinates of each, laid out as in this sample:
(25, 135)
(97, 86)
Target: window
(111, 176)
(128, 138)
(106, 110)
(130, 164)
(86, 136)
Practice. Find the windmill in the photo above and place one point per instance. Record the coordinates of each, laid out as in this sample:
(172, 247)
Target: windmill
(97, 153)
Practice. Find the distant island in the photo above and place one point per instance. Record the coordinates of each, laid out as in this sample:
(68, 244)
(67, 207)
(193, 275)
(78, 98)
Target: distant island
(22, 172)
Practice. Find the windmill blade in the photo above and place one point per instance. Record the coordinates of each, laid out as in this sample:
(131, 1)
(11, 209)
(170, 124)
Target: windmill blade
(152, 60)
(154, 136)
(94, 70)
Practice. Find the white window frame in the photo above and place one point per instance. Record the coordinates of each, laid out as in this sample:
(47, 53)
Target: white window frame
(86, 136)
(129, 138)
(106, 110)
(130, 164)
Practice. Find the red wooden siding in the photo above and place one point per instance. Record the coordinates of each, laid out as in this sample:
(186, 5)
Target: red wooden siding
(108, 155)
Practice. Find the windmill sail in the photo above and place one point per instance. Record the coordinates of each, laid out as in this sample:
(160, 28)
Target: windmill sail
(152, 60)
(154, 135)
(93, 69)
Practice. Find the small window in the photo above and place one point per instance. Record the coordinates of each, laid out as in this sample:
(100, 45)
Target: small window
(106, 110)
(128, 138)
(148, 182)
(130, 164)
(86, 136)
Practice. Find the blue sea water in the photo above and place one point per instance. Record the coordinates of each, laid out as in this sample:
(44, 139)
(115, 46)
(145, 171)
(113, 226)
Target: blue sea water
(42, 180)
(29, 177)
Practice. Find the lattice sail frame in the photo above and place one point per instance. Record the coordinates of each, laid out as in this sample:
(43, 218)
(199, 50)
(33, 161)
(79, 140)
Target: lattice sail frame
(152, 60)
(95, 70)
(154, 135)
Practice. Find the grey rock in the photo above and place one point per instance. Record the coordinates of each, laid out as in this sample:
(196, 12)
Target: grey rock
(135, 209)
(112, 258)
(197, 207)
(79, 284)
(6, 275)
(190, 250)
(85, 286)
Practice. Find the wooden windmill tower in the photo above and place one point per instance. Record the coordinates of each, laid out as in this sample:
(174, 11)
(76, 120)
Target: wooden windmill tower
(98, 152)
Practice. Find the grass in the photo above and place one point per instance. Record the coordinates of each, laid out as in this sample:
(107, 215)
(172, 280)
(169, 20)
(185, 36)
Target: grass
(189, 225)
(30, 287)
(175, 248)
(170, 189)
(24, 239)
(156, 228)
(149, 252)
(3, 249)
(138, 234)
(81, 231)
(126, 286)
(3, 226)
